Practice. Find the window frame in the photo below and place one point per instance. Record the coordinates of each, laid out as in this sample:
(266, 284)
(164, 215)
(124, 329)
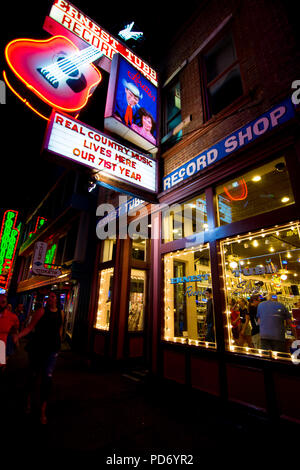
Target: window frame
(207, 114)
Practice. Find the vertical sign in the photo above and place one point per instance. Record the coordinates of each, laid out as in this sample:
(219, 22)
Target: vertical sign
(9, 237)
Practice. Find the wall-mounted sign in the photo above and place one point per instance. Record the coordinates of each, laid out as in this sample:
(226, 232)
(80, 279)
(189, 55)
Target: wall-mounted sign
(132, 105)
(74, 140)
(197, 277)
(238, 139)
(65, 14)
(41, 256)
(55, 70)
(9, 237)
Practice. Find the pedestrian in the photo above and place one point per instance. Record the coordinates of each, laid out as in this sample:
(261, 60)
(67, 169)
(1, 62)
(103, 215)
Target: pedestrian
(253, 304)
(210, 333)
(272, 316)
(9, 323)
(245, 334)
(19, 311)
(235, 320)
(43, 349)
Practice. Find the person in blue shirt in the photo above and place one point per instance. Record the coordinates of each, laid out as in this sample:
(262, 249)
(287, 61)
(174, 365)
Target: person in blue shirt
(272, 316)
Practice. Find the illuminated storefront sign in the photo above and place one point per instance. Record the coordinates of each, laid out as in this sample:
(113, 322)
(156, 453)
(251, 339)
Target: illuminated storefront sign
(65, 14)
(71, 139)
(132, 105)
(238, 139)
(55, 70)
(8, 243)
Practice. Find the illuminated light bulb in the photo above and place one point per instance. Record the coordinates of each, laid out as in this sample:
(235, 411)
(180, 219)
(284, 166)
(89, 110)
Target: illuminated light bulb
(295, 275)
(271, 249)
(256, 178)
(285, 199)
(288, 255)
(242, 263)
(283, 277)
(233, 264)
(205, 226)
(255, 243)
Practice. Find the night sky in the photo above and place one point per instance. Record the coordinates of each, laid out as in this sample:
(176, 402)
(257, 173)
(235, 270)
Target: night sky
(26, 174)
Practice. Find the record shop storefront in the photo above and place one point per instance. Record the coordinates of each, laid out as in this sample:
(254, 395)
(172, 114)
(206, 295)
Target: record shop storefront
(233, 236)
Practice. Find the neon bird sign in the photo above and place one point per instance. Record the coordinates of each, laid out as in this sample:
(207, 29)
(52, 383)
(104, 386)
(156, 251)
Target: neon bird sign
(55, 70)
(127, 33)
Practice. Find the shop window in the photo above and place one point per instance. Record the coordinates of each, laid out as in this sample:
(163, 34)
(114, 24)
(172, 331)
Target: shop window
(104, 299)
(108, 250)
(223, 82)
(172, 113)
(262, 272)
(184, 220)
(188, 305)
(261, 190)
(139, 249)
(137, 300)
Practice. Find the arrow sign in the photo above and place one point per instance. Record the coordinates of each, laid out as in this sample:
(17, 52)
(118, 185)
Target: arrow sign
(40, 249)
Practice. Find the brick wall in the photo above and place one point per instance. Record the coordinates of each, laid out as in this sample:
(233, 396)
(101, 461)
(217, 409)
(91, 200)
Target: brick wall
(269, 60)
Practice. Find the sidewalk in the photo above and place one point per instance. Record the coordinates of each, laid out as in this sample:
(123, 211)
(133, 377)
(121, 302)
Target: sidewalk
(96, 414)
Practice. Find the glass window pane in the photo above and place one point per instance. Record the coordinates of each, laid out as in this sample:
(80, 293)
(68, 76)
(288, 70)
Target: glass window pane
(139, 249)
(263, 291)
(184, 220)
(258, 191)
(225, 90)
(188, 306)
(104, 299)
(173, 102)
(137, 300)
(219, 58)
(108, 250)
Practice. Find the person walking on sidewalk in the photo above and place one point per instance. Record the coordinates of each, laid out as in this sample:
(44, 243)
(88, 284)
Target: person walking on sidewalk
(9, 324)
(43, 349)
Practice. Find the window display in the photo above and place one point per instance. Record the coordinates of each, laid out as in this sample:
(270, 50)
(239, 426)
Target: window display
(261, 190)
(137, 300)
(263, 291)
(188, 306)
(104, 299)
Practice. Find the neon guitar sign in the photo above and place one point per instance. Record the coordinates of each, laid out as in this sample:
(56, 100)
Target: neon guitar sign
(55, 70)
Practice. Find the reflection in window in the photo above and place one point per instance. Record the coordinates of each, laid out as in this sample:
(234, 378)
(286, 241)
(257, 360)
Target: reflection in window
(184, 220)
(139, 249)
(223, 76)
(137, 300)
(104, 299)
(172, 112)
(262, 269)
(188, 308)
(108, 250)
(261, 190)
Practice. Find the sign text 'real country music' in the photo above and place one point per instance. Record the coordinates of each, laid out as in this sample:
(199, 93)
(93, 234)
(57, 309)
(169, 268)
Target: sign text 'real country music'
(74, 140)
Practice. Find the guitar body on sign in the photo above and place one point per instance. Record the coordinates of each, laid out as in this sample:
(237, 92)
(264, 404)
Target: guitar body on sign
(55, 70)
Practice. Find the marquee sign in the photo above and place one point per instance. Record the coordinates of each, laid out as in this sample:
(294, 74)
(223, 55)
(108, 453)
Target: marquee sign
(65, 14)
(9, 238)
(71, 139)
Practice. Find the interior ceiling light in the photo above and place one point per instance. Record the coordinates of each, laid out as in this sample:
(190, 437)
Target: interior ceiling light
(256, 178)
(285, 199)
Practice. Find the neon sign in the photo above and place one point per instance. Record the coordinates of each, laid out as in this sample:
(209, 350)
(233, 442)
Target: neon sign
(127, 33)
(50, 255)
(244, 191)
(55, 70)
(39, 223)
(64, 14)
(9, 238)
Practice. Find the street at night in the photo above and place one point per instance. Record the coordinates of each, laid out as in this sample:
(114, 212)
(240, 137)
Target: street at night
(150, 232)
